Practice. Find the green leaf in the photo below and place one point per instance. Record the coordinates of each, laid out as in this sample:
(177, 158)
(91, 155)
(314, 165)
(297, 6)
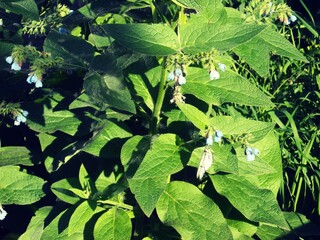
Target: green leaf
(300, 228)
(109, 89)
(114, 224)
(75, 52)
(13, 155)
(50, 121)
(150, 179)
(194, 215)
(81, 215)
(230, 87)
(111, 131)
(256, 130)
(83, 177)
(256, 53)
(198, 118)
(36, 225)
(58, 227)
(27, 8)
(224, 160)
(62, 189)
(280, 45)
(142, 90)
(18, 187)
(151, 39)
(256, 204)
(205, 36)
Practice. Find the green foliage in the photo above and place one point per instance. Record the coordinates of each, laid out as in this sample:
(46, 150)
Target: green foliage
(137, 95)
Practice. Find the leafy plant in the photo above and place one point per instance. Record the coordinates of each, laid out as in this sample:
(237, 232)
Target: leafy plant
(130, 110)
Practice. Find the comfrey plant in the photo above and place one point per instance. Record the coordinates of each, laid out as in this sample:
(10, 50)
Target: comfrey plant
(143, 150)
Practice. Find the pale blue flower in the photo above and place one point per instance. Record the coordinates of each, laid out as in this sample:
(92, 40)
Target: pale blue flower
(218, 136)
(255, 151)
(214, 74)
(171, 76)
(39, 84)
(9, 59)
(249, 154)
(63, 31)
(222, 67)
(293, 18)
(181, 80)
(21, 117)
(209, 140)
(34, 79)
(178, 72)
(16, 66)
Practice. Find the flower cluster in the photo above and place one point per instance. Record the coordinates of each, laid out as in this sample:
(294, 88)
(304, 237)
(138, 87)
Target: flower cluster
(214, 74)
(34, 79)
(16, 66)
(177, 75)
(251, 153)
(3, 213)
(20, 117)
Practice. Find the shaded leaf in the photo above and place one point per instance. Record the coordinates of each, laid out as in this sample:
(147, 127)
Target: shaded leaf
(27, 8)
(13, 155)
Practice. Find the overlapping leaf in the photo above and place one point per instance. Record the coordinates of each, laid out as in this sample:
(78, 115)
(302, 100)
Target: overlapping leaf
(13, 155)
(194, 215)
(27, 8)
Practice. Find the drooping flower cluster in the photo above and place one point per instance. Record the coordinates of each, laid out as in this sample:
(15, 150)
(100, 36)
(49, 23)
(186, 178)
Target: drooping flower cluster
(177, 75)
(214, 74)
(20, 117)
(251, 153)
(34, 79)
(16, 66)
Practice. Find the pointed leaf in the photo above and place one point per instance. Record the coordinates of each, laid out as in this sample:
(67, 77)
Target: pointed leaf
(114, 224)
(36, 225)
(230, 87)
(18, 187)
(149, 181)
(142, 90)
(109, 89)
(256, 204)
(27, 8)
(12, 155)
(205, 36)
(194, 115)
(62, 189)
(75, 52)
(194, 215)
(151, 39)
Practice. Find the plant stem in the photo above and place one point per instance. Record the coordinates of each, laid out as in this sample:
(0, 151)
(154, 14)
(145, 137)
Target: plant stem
(114, 203)
(157, 108)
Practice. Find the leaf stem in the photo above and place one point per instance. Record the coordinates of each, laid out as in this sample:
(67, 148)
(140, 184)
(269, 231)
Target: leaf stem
(161, 93)
(118, 204)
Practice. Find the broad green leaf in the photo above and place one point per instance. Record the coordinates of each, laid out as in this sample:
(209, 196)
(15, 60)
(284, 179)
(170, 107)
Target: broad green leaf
(133, 152)
(198, 118)
(27, 8)
(194, 215)
(154, 75)
(256, 53)
(18, 187)
(200, 5)
(13, 155)
(231, 87)
(175, 115)
(205, 36)
(142, 90)
(75, 52)
(280, 45)
(266, 170)
(151, 39)
(111, 131)
(50, 121)
(110, 90)
(300, 227)
(115, 58)
(81, 215)
(256, 204)
(150, 179)
(36, 225)
(58, 227)
(83, 177)
(103, 181)
(62, 189)
(224, 160)
(237, 126)
(114, 224)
